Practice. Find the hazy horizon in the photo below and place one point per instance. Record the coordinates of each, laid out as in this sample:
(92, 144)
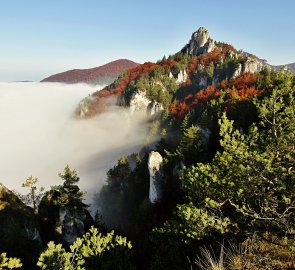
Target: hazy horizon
(39, 39)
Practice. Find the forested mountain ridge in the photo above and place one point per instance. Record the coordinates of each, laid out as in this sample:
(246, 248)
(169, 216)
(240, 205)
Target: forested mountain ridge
(102, 75)
(202, 63)
(290, 67)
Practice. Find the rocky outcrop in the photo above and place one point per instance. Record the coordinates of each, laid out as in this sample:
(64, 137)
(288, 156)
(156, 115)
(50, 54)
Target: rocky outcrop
(200, 43)
(251, 65)
(139, 103)
(83, 107)
(180, 77)
(155, 162)
(19, 230)
(62, 222)
(238, 71)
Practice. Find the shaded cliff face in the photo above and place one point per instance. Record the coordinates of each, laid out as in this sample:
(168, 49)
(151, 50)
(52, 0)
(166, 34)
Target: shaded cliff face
(19, 231)
(62, 222)
(105, 74)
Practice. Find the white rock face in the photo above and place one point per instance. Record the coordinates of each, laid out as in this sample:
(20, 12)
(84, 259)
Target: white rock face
(154, 164)
(181, 77)
(82, 108)
(139, 103)
(252, 65)
(238, 71)
(200, 43)
(201, 36)
(154, 107)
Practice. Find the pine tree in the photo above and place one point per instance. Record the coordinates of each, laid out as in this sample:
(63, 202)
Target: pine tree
(92, 251)
(70, 193)
(9, 263)
(35, 195)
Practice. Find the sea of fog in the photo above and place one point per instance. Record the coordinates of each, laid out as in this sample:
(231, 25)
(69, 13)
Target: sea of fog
(39, 135)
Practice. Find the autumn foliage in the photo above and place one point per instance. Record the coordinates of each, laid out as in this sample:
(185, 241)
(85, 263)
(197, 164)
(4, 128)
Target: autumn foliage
(110, 70)
(237, 89)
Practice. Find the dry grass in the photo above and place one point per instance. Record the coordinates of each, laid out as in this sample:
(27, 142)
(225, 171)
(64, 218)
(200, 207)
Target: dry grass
(208, 261)
(253, 254)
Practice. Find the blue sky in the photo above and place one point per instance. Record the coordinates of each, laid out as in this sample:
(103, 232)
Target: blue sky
(40, 38)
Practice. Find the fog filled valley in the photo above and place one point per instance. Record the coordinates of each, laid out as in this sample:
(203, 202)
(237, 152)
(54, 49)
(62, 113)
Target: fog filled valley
(40, 135)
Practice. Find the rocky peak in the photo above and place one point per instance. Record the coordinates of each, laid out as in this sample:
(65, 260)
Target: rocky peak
(201, 36)
(200, 43)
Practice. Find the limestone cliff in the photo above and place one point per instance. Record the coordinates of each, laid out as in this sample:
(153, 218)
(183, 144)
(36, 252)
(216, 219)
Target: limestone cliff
(200, 43)
(139, 103)
(155, 162)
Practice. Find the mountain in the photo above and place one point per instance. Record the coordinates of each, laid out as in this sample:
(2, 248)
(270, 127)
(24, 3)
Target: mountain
(201, 63)
(221, 164)
(290, 67)
(104, 74)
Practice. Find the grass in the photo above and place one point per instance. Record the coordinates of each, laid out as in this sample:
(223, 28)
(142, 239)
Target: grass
(253, 254)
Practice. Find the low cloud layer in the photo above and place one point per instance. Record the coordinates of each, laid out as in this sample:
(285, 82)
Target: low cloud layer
(39, 136)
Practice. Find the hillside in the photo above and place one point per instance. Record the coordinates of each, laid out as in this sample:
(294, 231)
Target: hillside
(290, 67)
(104, 74)
(201, 63)
(221, 169)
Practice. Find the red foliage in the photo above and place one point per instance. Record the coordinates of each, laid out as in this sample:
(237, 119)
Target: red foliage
(207, 94)
(239, 89)
(179, 108)
(169, 64)
(245, 80)
(214, 55)
(111, 70)
(225, 49)
(245, 93)
(193, 64)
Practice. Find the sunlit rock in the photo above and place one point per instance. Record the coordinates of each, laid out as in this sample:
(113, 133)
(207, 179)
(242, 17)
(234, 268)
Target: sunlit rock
(200, 43)
(155, 162)
(139, 103)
